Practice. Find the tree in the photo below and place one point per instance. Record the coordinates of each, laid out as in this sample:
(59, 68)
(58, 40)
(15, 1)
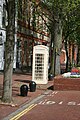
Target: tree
(58, 11)
(72, 29)
(9, 51)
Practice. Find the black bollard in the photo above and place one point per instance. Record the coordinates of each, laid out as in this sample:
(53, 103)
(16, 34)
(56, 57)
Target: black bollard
(24, 90)
(50, 76)
(32, 86)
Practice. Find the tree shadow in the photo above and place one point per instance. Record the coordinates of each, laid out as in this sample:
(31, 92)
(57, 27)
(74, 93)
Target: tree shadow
(51, 88)
(25, 81)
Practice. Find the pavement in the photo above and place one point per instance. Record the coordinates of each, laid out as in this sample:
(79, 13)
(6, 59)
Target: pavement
(18, 101)
(43, 103)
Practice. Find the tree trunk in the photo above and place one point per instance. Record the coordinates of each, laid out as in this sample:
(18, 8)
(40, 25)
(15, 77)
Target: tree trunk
(55, 68)
(66, 55)
(57, 45)
(51, 70)
(9, 53)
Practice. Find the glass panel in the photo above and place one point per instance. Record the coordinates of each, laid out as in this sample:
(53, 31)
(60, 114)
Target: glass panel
(39, 66)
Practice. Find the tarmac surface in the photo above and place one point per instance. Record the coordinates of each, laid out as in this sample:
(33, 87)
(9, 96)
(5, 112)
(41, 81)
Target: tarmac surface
(57, 105)
(43, 104)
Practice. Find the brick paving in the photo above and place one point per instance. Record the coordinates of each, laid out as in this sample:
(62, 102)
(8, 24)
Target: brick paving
(66, 103)
(18, 100)
(57, 105)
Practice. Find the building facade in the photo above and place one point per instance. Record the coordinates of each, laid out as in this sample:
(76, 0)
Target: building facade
(30, 31)
(2, 32)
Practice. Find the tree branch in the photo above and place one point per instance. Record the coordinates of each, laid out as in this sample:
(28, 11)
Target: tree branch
(71, 32)
(44, 20)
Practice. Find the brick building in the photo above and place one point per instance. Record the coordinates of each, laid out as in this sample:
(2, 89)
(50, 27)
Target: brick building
(30, 31)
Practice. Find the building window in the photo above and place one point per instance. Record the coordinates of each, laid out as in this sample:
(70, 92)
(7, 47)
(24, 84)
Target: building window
(4, 16)
(1, 39)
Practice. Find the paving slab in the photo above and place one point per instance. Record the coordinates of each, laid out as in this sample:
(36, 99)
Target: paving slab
(18, 101)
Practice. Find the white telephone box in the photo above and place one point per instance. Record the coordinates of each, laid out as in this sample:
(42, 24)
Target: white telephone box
(40, 64)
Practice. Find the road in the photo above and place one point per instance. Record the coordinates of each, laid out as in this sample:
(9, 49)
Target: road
(55, 105)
